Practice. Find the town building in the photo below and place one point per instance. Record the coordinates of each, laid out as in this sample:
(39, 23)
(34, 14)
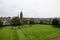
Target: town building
(7, 20)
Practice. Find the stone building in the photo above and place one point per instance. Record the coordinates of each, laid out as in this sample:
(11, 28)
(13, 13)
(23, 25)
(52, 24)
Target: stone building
(21, 15)
(7, 20)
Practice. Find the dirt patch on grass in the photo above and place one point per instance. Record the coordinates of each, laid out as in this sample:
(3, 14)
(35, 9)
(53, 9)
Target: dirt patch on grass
(56, 38)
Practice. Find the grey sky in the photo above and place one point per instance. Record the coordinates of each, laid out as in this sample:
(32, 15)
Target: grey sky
(30, 8)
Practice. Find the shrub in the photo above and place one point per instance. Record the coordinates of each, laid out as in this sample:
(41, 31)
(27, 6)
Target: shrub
(41, 22)
(15, 21)
(1, 23)
(31, 21)
(55, 22)
(58, 22)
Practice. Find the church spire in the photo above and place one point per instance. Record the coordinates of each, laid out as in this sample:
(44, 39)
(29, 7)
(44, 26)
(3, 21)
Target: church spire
(21, 15)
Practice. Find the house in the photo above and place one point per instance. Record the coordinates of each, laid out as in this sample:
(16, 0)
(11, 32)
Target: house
(5, 20)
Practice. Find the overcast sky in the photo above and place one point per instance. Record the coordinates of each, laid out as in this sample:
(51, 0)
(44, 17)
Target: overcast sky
(30, 8)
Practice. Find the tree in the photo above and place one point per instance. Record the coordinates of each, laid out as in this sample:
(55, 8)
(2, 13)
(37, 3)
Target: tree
(1, 23)
(58, 22)
(15, 21)
(31, 21)
(55, 22)
(41, 22)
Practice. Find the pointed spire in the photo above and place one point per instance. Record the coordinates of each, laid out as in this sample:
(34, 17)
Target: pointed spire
(21, 15)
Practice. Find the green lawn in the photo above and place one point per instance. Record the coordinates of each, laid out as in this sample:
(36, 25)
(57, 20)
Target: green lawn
(36, 32)
(5, 33)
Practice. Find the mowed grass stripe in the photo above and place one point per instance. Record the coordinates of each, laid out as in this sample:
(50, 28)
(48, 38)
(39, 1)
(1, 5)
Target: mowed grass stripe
(5, 33)
(41, 32)
(11, 34)
(21, 35)
(36, 32)
(15, 35)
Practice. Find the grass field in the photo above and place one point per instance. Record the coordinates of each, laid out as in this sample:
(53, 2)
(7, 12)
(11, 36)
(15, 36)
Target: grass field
(36, 32)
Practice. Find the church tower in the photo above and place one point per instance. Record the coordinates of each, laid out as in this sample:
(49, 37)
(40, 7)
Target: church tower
(21, 15)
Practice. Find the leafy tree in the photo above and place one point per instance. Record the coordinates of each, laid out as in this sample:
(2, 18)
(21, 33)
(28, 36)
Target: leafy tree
(31, 21)
(41, 22)
(55, 22)
(1, 23)
(58, 22)
(15, 21)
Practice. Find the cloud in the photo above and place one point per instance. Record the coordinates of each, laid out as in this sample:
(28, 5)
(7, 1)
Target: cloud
(30, 8)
